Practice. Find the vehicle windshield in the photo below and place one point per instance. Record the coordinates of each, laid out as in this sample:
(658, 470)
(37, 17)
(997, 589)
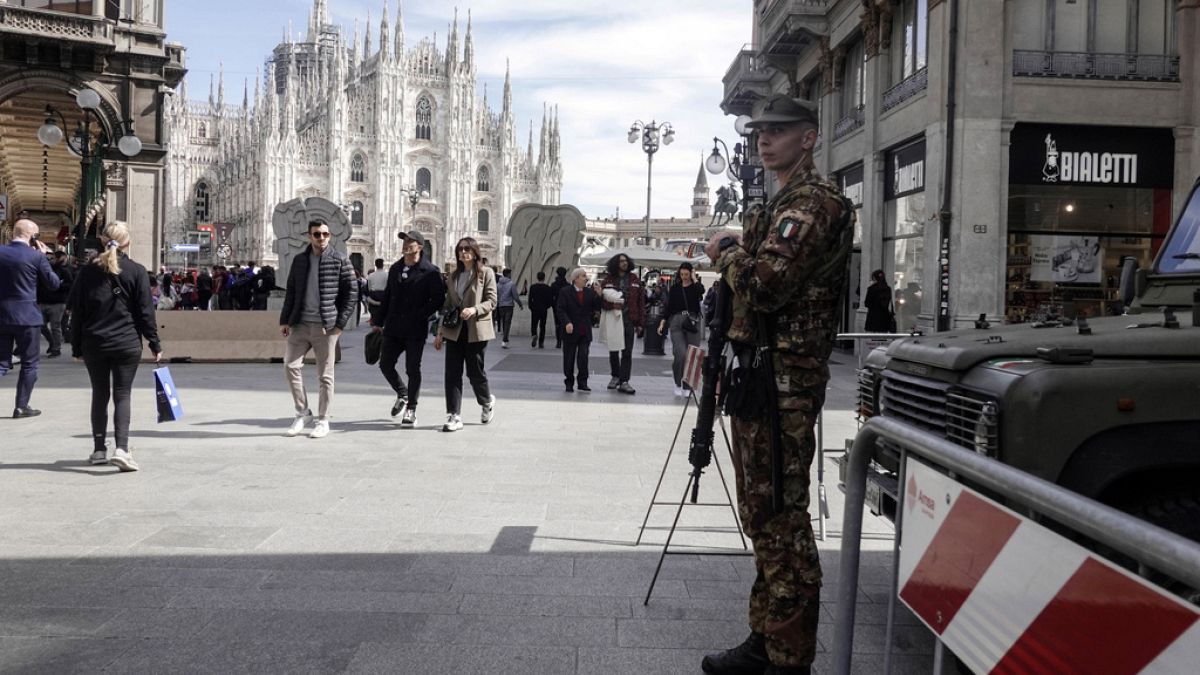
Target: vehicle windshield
(1181, 255)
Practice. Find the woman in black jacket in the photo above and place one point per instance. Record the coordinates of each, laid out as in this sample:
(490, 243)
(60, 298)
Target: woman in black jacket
(111, 313)
(880, 318)
(573, 312)
(683, 308)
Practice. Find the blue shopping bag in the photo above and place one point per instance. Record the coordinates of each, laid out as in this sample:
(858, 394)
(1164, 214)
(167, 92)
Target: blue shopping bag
(169, 409)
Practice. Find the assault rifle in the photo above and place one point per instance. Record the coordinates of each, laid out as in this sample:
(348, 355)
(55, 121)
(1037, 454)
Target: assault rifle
(713, 370)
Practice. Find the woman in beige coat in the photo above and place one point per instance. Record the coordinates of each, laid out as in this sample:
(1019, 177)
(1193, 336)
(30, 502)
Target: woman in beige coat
(471, 292)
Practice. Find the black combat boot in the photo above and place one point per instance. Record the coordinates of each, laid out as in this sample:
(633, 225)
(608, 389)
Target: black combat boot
(748, 658)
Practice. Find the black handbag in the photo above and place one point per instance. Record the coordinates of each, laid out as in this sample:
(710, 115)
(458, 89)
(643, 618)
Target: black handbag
(690, 325)
(452, 319)
(373, 347)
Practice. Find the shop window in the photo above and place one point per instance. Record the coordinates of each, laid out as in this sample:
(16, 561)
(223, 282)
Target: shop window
(424, 180)
(1066, 245)
(424, 119)
(904, 251)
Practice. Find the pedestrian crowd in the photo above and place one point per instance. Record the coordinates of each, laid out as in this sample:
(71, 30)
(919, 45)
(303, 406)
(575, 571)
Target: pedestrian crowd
(104, 308)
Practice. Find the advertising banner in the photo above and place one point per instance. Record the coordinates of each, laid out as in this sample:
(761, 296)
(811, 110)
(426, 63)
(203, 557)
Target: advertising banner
(1065, 259)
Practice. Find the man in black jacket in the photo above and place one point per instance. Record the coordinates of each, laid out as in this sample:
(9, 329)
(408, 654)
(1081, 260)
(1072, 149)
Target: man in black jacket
(541, 299)
(319, 301)
(560, 282)
(54, 304)
(414, 291)
(573, 310)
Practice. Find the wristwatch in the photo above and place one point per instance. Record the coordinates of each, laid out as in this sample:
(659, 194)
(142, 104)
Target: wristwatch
(726, 243)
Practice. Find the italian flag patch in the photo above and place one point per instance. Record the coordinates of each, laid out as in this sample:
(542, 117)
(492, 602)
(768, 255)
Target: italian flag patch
(788, 228)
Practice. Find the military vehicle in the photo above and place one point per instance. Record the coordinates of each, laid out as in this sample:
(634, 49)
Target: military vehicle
(1108, 407)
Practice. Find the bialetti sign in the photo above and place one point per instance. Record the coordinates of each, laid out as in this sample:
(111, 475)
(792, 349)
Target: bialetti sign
(906, 166)
(1048, 154)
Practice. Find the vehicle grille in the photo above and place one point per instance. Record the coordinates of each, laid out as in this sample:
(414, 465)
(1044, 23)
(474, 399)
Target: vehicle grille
(917, 401)
(941, 409)
(866, 394)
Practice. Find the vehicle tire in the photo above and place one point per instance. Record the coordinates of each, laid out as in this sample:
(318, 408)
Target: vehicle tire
(1177, 512)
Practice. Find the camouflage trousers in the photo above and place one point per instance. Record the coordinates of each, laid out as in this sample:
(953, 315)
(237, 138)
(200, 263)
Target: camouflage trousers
(785, 597)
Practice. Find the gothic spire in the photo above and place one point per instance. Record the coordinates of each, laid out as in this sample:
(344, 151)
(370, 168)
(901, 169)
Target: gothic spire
(399, 28)
(245, 94)
(702, 178)
(367, 38)
(354, 43)
(211, 99)
(469, 47)
(383, 32)
(257, 88)
(507, 89)
(221, 87)
(452, 44)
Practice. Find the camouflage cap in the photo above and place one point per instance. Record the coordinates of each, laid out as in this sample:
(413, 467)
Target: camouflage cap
(781, 109)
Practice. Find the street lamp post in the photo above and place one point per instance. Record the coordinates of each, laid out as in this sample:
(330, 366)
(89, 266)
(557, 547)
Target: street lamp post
(734, 165)
(650, 134)
(51, 134)
(415, 195)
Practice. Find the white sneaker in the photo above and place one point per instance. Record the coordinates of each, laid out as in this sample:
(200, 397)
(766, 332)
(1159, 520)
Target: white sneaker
(504, 344)
(299, 423)
(410, 418)
(123, 460)
(320, 430)
(453, 423)
(489, 410)
(679, 391)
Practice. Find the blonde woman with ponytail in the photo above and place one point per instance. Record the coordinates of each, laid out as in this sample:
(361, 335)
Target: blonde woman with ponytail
(112, 312)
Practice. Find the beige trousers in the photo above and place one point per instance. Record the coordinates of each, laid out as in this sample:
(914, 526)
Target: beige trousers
(302, 338)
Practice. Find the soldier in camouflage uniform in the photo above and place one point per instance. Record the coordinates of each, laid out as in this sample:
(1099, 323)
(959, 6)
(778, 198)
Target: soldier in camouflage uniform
(786, 278)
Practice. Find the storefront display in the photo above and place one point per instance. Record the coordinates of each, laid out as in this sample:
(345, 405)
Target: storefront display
(904, 230)
(1081, 200)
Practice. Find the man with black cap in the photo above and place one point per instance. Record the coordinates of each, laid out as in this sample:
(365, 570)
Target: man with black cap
(415, 290)
(785, 279)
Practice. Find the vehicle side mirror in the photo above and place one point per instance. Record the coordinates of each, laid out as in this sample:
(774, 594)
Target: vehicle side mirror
(1129, 287)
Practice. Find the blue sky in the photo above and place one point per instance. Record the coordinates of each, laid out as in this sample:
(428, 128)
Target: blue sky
(603, 63)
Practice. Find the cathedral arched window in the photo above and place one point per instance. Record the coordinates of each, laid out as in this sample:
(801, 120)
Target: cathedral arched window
(483, 180)
(424, 180)
(202, 130)
(356, 213)
(483, 220)
(201, 203)
(358, 169)
(424, 119)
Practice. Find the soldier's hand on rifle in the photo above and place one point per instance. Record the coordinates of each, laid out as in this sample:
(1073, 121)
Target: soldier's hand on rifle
(713, 248)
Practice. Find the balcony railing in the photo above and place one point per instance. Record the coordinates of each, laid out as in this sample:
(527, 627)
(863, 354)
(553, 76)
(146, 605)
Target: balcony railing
(791, 26)
(848, 124)
(55, 25)
(1084, 65)
(909, 87)
(747, 80)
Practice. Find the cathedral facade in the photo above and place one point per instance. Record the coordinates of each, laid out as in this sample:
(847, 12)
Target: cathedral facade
(400, 138)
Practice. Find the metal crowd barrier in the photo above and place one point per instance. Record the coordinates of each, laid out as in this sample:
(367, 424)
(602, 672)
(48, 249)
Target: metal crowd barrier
(859, 339)
(1151, 547)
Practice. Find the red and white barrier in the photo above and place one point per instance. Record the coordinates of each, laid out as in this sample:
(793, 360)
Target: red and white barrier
(693, 367)
(1007, 595)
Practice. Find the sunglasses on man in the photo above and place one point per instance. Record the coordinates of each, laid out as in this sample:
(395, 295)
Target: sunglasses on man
(320, 235)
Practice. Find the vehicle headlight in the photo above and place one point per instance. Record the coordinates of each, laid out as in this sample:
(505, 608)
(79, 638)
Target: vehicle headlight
(985, 429)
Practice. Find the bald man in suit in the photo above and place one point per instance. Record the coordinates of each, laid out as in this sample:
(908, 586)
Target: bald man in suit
(23, 268)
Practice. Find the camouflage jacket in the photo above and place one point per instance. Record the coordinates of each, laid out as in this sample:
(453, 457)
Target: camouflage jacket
(791, 268)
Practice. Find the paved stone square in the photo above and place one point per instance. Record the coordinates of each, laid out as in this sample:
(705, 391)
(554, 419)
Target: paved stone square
(498, 549)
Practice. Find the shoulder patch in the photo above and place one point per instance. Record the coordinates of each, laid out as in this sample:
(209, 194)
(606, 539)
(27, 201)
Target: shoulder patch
(793, 225)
